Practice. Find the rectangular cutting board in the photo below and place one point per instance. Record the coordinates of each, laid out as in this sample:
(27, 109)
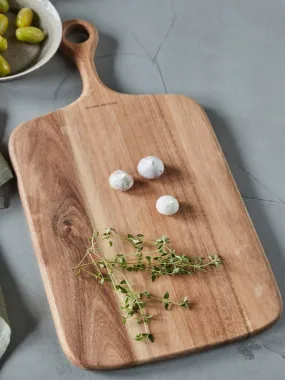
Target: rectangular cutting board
(63, 161)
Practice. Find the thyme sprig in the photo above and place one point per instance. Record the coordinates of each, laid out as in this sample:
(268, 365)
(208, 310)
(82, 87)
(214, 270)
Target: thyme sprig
(153, 257)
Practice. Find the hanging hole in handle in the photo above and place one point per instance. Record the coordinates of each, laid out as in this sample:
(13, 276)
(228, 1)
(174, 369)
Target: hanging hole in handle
(77, 34)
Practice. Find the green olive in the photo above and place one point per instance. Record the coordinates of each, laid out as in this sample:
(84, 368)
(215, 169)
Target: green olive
(3, 44)
(30, 34)
(24, 18)
(4, 67)
(4, 22)
(4, 6)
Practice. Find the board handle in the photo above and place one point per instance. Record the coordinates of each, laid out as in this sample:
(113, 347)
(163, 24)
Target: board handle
(79, 42)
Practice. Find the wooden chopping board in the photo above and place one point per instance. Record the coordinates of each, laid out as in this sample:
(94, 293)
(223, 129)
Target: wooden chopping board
(63, 161)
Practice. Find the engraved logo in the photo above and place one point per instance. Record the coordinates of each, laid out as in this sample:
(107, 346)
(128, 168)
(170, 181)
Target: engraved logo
(100, 105)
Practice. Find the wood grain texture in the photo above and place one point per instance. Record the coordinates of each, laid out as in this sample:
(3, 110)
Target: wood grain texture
(63, 161)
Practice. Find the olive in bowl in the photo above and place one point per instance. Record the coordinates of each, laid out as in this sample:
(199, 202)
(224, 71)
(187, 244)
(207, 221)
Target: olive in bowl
(32, 36)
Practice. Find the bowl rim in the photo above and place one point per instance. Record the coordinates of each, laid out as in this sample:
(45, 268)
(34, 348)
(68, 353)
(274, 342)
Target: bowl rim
(51, 52)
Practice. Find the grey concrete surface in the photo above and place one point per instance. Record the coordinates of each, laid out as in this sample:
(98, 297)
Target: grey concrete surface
(230, 56)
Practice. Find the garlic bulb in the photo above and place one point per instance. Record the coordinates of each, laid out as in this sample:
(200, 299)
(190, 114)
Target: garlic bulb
(167, 205)
(121, 180)
(150, 167)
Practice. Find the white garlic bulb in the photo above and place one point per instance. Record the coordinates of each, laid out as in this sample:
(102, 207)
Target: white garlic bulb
(167, 205)
(121, 180)
(150, 167)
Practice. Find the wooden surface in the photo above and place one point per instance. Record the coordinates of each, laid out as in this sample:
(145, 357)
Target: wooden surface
(63, 161)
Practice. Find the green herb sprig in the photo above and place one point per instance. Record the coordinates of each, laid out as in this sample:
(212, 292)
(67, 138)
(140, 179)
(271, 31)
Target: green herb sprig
(154, 257)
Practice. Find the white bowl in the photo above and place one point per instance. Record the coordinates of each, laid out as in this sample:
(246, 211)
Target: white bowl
(51, 25)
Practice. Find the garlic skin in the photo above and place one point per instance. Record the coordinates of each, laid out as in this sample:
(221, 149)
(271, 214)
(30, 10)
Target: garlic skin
(167, 205)
(121, 180)
(150, 167)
